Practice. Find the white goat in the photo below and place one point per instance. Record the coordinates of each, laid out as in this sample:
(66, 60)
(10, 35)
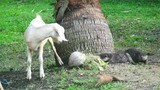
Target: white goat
(1, 87)
(36, 35)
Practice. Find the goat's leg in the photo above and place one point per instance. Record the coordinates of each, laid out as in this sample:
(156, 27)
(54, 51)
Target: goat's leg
(54, 50)
(29, 60)
(41, 70)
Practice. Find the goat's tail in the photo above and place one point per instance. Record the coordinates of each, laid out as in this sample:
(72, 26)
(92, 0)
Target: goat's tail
(37, 14)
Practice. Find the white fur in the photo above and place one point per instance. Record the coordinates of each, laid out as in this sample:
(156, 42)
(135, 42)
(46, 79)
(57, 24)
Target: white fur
(76, 59)
(145, 57)
(36, 35)
(1, 87)
(37, 22)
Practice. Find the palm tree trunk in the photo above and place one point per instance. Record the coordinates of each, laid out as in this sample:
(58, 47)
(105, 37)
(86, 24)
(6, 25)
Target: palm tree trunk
(85, 28)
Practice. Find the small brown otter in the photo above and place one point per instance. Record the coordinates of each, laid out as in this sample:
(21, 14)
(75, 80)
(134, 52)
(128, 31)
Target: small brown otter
(104, 79)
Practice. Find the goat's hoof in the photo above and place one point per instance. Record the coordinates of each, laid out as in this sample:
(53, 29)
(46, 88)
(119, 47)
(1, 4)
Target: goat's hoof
(60, 63)
(42, 76)
(29, 78)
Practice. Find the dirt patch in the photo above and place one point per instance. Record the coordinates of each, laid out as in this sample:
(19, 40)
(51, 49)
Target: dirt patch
(137, 77)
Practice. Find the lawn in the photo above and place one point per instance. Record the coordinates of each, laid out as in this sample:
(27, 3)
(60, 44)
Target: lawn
(132, 23)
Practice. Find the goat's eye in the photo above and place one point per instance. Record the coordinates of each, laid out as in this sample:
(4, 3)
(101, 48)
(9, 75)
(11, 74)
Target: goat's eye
(57, 34)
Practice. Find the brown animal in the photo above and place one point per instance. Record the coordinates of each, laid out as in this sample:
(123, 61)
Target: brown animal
(104, 79)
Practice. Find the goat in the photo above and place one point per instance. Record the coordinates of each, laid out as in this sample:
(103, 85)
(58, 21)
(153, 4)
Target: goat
(1, 87)
(36, 36)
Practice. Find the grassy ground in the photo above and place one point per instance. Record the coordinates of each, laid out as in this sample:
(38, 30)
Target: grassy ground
(133, 24)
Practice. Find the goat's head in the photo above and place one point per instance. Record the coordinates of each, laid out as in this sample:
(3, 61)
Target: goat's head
(59, 33)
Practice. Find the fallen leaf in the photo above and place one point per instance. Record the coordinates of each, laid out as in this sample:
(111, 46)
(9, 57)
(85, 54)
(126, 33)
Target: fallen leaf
(104, 79)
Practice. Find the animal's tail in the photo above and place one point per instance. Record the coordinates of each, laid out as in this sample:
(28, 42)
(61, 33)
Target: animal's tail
(37, 15)
(37, 21)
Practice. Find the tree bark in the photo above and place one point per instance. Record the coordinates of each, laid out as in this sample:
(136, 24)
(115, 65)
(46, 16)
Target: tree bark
(86, 29)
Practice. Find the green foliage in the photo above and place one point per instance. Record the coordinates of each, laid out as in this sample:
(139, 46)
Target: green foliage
(113, 86)
(95, 63)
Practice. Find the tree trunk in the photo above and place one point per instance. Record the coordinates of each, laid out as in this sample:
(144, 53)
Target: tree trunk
(85, 28)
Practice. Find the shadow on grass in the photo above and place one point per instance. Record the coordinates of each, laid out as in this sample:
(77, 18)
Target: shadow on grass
(16, 79)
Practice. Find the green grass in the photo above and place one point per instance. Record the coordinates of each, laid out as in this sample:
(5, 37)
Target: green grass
(17, 15)
(132, 23)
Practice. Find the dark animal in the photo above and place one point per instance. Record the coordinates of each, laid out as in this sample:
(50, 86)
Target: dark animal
(137, 56)
(130, 55)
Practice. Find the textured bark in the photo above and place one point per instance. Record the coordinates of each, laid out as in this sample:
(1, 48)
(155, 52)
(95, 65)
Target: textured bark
(86, 29)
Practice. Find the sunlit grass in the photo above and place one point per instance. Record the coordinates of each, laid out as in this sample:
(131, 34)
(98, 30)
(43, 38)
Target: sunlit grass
(133, 24)
(16, 15)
